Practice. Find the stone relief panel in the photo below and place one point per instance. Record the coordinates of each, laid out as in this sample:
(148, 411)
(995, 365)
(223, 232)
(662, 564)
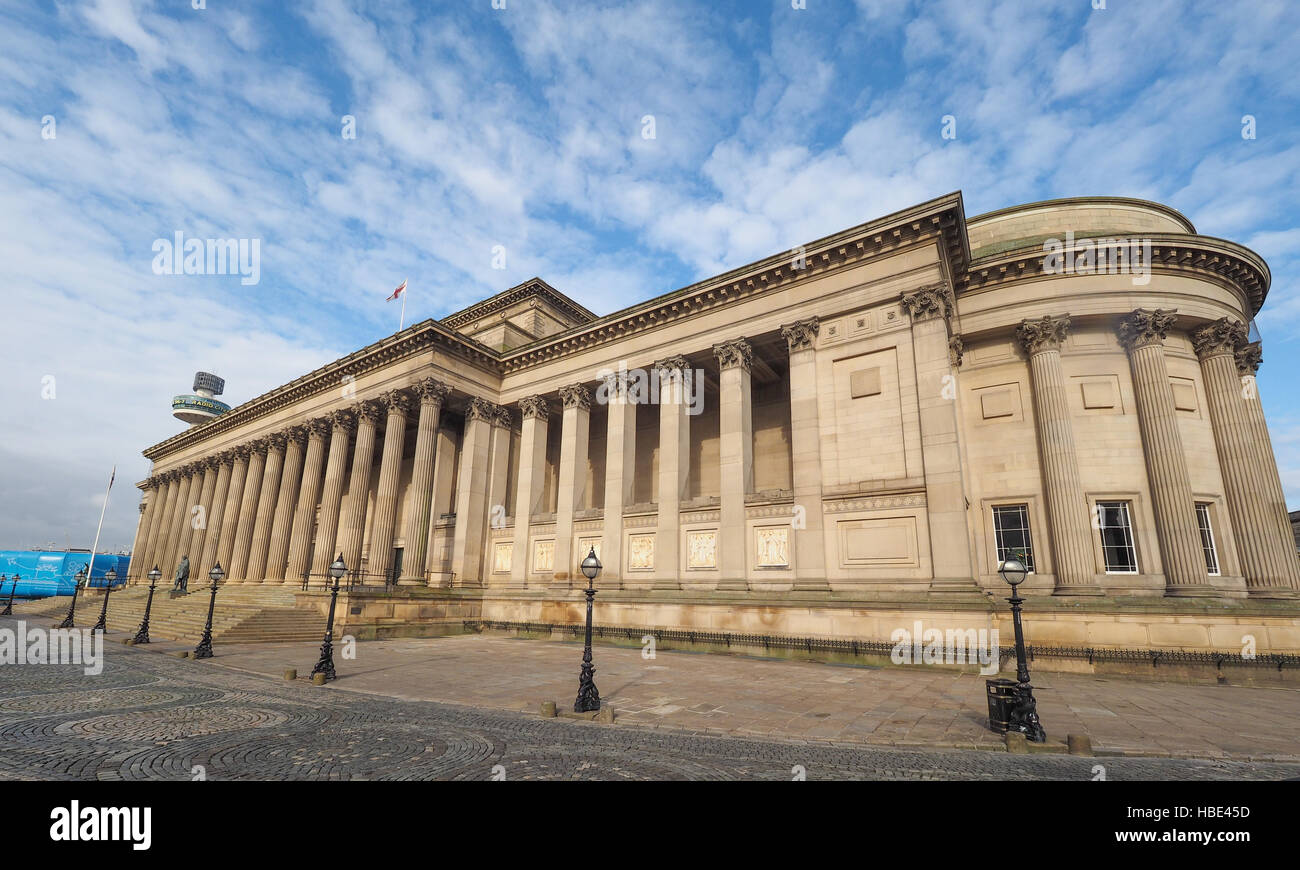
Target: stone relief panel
(585, 546)
(502, 555)
(772, 547)
(641, 552)
(702, 549)
(543, 557)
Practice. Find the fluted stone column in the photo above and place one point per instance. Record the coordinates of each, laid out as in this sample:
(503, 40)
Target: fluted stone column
(277, 556)
(147, 508)
(445, 464)
(304, 515)
(674, 467)
(248, 501)
(1067, 506)
(352, 529)
(945, 494)
(327, 530)
(806, 457)
(230, 513)
(200, 523)
(217, 511)
(266, 503)
(498, 481)
(736, 458)
(1278, 529)
(181, 531)
(575, 434)
(535, 413)
(390, 475)
(471, 495)
(162, 487)
(620, 473)
(432, 394)
(158, 547)
(174, 518)
(1143, 332)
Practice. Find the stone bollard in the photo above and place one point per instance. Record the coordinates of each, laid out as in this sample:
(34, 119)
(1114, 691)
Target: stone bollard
(1079, 744)
(548, 709)
(291, 674)
(128, 641)
(606, 714)
(1016, 743)
(318, 679)
(182, 654)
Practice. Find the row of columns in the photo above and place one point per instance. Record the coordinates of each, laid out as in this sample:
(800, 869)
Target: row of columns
(1253, 490)
(253, 508)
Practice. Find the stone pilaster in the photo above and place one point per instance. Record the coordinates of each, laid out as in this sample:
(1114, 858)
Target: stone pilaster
(304, 515)
(148, 506)
(675, 378)
(267, 501)
(805, 457)
(327, 530)
(230, 513)
(736, 458)
(534, 413)
(217, 509)
(471, 495)
(432, 394)
(352, 529)
(620, 472)
(446, 463)
(390, 475)
(575, 433)
(239, 552)
(1143, 333)
(498, 481)
(930, 309)
(1278, 529)
(1067, 506)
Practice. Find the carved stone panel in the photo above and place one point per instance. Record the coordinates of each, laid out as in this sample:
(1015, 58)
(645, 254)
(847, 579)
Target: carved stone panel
(702, 549)
(641, 552)
(543, 557)
(772, 547)
(502, 556)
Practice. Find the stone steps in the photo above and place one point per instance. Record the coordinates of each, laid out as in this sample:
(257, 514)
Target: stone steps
(243, 614)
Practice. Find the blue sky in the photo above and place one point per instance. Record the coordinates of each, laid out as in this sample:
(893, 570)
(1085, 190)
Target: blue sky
(523, 128)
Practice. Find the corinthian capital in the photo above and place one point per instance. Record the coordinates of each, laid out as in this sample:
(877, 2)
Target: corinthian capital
(736, 353)
(342, 421)
(1248, 358)
(432, 391)
(534, 407)
(802, 334)
(397, 402)
(1223, 336)
(368, 411)
(1143, 327)
(481, 409)
(576, 396)
(930, 302)
(318, 429)
(1043, 333)
(672, 366)
(956, 349)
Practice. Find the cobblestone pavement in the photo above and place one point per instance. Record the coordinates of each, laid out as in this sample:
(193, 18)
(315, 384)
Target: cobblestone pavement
(150, 716)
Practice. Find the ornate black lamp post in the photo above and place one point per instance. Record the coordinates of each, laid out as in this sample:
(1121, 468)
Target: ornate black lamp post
(588, 698)
(102, 623)
(142, 634)
(326, 664)
(82, 577)
(204, 649)
(1023, 715)
(9, 607)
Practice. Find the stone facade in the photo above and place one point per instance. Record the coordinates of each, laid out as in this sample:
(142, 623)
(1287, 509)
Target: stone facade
(824, 444)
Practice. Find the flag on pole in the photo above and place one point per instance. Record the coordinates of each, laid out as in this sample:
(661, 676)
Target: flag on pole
(401, 288)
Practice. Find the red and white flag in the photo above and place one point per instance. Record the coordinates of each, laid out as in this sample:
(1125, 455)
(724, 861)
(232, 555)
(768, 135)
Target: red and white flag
(401, 288)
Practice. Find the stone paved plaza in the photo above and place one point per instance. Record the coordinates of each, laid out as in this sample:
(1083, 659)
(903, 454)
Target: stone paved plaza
(149, 715)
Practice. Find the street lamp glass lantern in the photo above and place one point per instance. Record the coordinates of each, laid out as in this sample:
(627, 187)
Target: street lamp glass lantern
(155, 575)
(591, 565)
(338, 568)
(111, 576)
(216, 573)
(1013, 571)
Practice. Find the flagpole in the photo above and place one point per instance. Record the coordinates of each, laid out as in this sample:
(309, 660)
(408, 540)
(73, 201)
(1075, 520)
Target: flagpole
(90, 570)
(401, 324)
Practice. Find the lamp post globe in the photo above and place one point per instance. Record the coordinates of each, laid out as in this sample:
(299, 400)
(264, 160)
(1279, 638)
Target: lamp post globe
(325, 665)
(9, 605)
(1013, 571)
(588, 700)
(142, 633)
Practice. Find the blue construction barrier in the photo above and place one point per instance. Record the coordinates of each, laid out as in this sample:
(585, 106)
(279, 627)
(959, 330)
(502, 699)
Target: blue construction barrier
(45, 573)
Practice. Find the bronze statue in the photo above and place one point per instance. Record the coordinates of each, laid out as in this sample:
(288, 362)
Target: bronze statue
(182, 575)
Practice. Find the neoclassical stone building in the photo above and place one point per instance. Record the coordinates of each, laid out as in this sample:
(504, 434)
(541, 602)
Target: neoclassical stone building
(833, 441)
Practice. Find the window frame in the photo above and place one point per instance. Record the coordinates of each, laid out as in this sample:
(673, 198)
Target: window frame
(1099, 505)
(1024, 510)
(1209, 550)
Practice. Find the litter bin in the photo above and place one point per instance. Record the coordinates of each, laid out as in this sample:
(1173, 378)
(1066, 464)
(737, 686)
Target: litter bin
(1003, 695)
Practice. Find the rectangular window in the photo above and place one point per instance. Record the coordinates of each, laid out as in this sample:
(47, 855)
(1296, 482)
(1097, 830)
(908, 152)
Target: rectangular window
(1011, 530)
(1117, 549)
(1207, 539)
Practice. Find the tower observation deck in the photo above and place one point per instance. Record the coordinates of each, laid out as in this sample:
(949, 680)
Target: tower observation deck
(201, 405)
